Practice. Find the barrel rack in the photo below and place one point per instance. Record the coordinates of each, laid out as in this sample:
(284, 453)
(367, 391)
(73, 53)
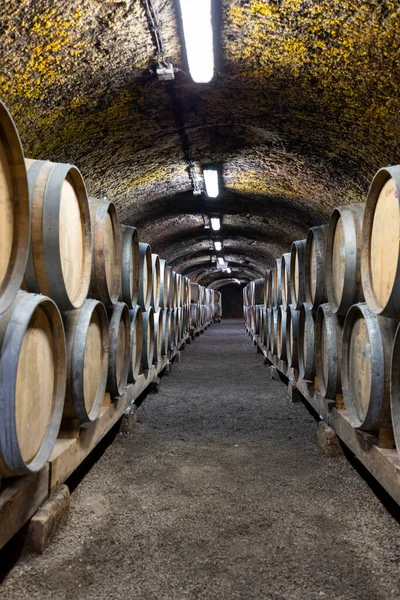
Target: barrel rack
(21, 497)
(382, 463)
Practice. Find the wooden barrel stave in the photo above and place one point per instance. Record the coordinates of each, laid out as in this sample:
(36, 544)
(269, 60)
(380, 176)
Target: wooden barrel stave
(277, 283)
(281, 333)
(148, 340)
(145, 276)
(155, 277)
(315, 265)
(292, 336)
(297, 273)
(328, 350)
(285, 280)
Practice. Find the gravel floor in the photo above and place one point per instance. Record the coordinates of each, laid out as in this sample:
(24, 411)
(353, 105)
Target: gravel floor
(221, 492)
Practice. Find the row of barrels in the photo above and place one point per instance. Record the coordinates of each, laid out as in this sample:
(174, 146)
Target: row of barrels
(330, 308)
(96, 308)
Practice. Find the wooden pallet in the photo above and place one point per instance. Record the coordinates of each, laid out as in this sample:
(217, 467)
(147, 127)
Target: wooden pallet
(382, 463)
(21, 497)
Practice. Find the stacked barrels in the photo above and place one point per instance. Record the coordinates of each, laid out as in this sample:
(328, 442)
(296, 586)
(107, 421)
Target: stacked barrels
(205, 306)
(97, 308)
(334, 303)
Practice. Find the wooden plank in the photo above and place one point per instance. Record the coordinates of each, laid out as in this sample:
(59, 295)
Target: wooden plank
(383, 464)
(20, 498)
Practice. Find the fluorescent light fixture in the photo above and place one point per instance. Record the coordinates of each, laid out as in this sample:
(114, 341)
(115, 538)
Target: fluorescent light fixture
(218, 246)
(211, 182)
(198, 33)
(229, 270)
(221, 260)
(215, 223)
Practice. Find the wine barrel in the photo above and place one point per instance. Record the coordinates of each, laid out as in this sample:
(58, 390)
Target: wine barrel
(60, 256)
(195, 293)
(157, 336)
(164, 284)
(261, 324)
(297, 273)
(195, 314)
(365, 368)
(148, 340)
(395, 389)
(32, 383)
(270, 288)
(285, 280)
(129, 266)
(259, 291)
(155, 288)
(136, 338)
(273, 331)
(166, 335)
(173, 328)
(380, 252)
(281, 333)
(315, 266)
(119, 348)
(257, 323)
(306, 354)
(343, 258)
(105, 281)
(14, 211)
(277, 283)
(292, 336)
(145, 276)
(86, 332)
(328, 351)
(178, 290)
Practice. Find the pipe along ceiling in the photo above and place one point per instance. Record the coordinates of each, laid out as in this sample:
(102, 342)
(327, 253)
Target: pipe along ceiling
(302, 110)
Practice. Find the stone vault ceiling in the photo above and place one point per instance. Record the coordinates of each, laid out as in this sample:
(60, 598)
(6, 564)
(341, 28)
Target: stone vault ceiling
(303, 109)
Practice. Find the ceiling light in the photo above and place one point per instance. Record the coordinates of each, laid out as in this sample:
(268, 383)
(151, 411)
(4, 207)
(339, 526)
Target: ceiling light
(215, 223)
(229, 270)
(211, 182)
(221, 260)
(198, 33)
(218, 246)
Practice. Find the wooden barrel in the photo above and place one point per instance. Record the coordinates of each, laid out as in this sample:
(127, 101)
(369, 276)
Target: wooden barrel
(259, 291)
(267, 319)
(292, 336)
(155, 288)
(145, 276)
(33, 382)
(173, 328)
(195, 293)
(273, 331)
(277, 283)
(270, 287)
(306, 354)
(165, 326)
(105, 281)
(395, 389)
(315, 266)
(129, 266)
(14, 211)
(195, 314)
(365, 367)
(285, 280)
(343, 258)
(261, 323)
(86, 332)
(157, 335)
(380, 252)
(257, 322)
(164, 284)
(60, 256)
(119, 348)
(178, 290)
(281, 333)
(136, 337)
(297, 273)
(328, 351)
(148, 340)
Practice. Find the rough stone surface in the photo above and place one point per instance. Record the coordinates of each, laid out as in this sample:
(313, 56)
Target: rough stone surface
(221, 493)
(302, 111)
(328, 440)
(48, 520)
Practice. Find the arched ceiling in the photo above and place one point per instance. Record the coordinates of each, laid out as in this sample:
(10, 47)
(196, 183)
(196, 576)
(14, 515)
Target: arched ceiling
(302, 111)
